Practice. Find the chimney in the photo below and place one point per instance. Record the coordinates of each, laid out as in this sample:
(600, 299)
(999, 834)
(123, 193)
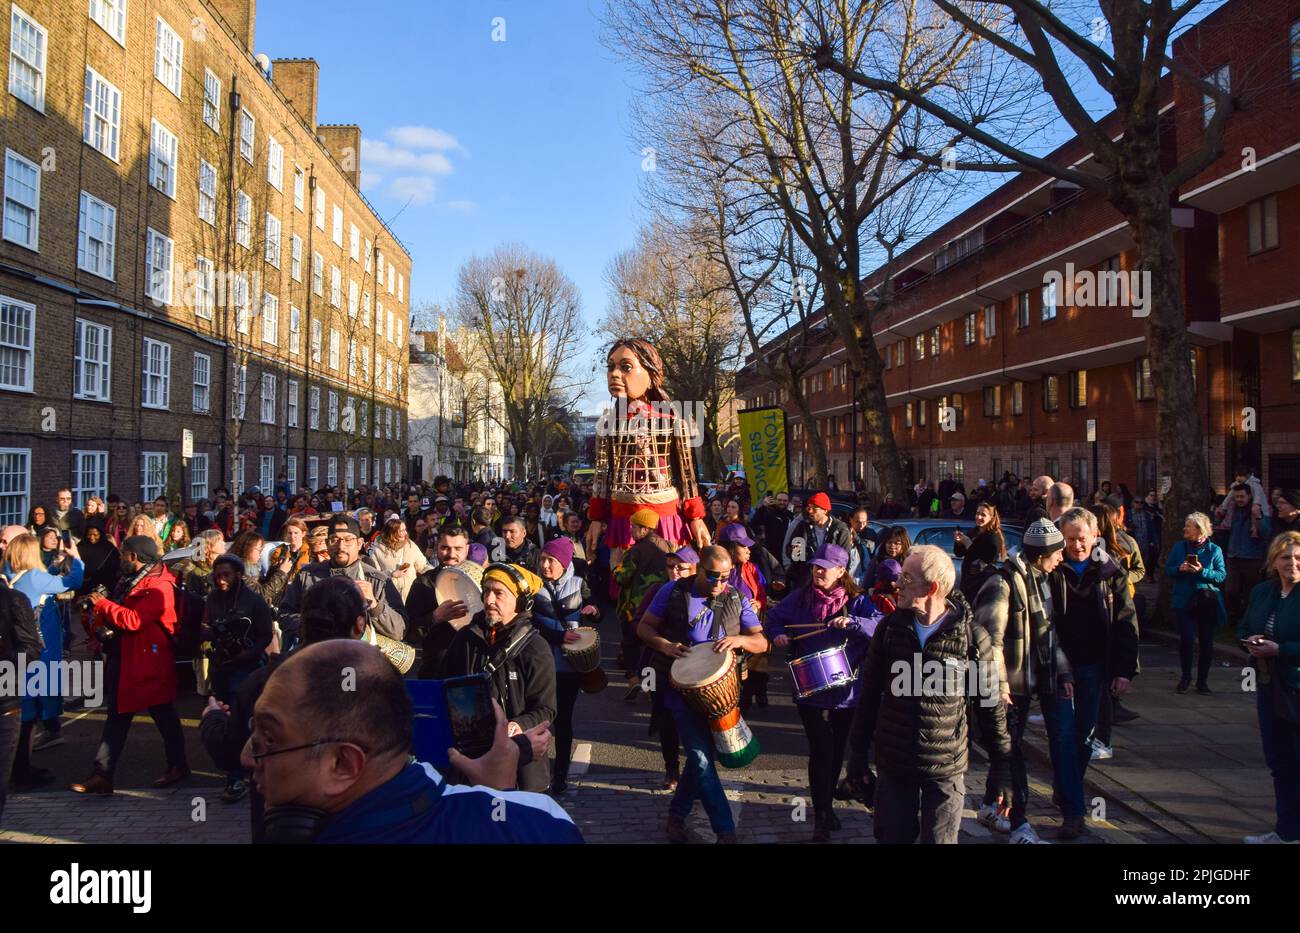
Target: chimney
(343, 140)
(239, 16)
(297, 79)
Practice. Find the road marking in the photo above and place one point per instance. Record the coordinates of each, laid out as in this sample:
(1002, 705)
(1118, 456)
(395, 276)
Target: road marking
(581, 759)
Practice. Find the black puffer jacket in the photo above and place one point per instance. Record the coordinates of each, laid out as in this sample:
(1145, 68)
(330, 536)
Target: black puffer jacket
(19, 634)
(924, 738)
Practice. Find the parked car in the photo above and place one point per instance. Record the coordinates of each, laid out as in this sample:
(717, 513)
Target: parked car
(942, 532)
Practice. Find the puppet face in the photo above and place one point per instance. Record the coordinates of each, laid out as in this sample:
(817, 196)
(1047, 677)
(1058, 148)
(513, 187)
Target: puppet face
(626, 376)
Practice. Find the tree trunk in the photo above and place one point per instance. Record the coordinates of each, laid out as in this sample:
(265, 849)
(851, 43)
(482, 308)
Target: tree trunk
(816, 446)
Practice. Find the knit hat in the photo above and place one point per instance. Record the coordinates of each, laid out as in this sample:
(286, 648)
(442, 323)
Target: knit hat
(686, 554)
(1040, 539)
(646, 518)
(478, 554)
(142, 546)
(821, 500)
(508, 581)
(561, 549)
(230, 559)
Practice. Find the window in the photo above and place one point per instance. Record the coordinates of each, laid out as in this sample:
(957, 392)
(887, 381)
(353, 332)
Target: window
(1079, 388)
(15, 483)
(239, 391)
(934, 342)
(1295, 355)
(96, 236)
(265, 472)
(158, 267)
(350, 474)
(238, 473)
(315, 341)
(968, 332)
(378, 421)
(273, 240)
(336, 286)
(1261, 218)
(318, 207)
(1191, 362)
(291, 403)
(900, 353)
(317, 274)
(332, 413)
(313, 472)
(268, 404)
(1079, 477)
(399, 343)
(1220, 79)
(27, 43)
(1143, 383)
(92, 361)
(1049, 300)
(270, 318)
(1017, 398)
(920, 346)
(1051, 392)
(212, 100)
(1022, 309)
(299, 186)
(388, 424)
(275, 163)
(332, 471)
(205, 299)
(398, 383)
(313, 408)
(990, 321)
(955, 403)
(352, 359)
(157, 375)
(162, 160)
(244, 220)
(334, 349)
(1052, 467)
(202, 383)
(364, 419)
(388, 469)
(364, 463)
(379, 267)
(199, 476)
(247, 130)
(153, 482)
(295, 257)
(336, 230)
(354, 242)
(207, 192)
(920, 413)
(291, 471)
(242, 302)
(101, 122)
(168, 57)
(391, 270)
(295, 331)
(888, 360)
(22, 200)
(369, 255)
(397, 425)
(89, 475)
(365, 364)
(111, 16)
(993, 402)
(352, 298)
(1108, 288)
(401, 287)
(388, 375)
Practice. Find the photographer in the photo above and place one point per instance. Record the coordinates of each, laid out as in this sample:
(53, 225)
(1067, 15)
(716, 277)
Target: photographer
(236, 633)
(134, 628)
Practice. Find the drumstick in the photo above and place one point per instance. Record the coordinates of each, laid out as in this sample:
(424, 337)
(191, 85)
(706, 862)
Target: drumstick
(806, 634)
(807, 625)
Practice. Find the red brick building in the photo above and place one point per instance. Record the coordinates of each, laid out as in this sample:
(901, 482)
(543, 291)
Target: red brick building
(984, 320)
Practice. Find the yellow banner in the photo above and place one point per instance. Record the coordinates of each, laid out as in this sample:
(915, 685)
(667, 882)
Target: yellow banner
(762, 441)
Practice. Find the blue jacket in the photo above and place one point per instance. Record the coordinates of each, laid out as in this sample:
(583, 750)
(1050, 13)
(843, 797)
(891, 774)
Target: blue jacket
(1240, 543)
(35, 584)
(561, 602)
(862, 615)
(417, 806)
(1265, 600)
(1213, 573)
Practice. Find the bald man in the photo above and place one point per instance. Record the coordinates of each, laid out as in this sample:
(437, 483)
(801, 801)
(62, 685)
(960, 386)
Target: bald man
(1038, 490)
(332, 738)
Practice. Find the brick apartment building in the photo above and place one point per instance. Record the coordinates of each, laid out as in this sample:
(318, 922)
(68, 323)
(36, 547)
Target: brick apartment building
(184, 247)
(980, 325)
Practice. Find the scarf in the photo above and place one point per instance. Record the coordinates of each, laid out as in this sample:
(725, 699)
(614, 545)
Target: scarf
(823, 604)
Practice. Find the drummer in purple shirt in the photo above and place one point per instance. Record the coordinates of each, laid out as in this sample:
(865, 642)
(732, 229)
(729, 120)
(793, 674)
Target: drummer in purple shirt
(684, 613)
(827, 614)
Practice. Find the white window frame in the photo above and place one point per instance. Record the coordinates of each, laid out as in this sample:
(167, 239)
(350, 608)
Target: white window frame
(295, 331)
(102, 131)
(14, 196)
(199, 477)
(318, 207)
(239, 389)
(168, 57)
(270, 318)
(1049, 301)
(317, 339)
(365, 462)
(369, 255)
(20, 57)
(15, 484)
(207, 192)
(352, 358)
(163, 159)
(205, 296)
(94, 463)
(299, 186)
(201, 397)
(242, 300)
(156, 382)
(110, 15)
(92, 361)
(317, 273)
(336, 286)
(291, 403)
(153, 474)
(272, 253)
(11, 332)
(268, 399)
(332, 471)
(275, 164)
(350, 474)
(990, 321)
(291, 470)
(352, 298)
(354, 242)
(295, 257)
(266, 472)
(243, 220)
(93, 212)
(313, 408)
(332, 411)
(212, 100)
(313, 473)
(247, 135)
(336, 229)
(158, 278)
(237, 475)
(334, 349)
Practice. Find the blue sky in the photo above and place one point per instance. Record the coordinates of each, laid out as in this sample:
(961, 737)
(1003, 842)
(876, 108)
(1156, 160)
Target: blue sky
(522, 140)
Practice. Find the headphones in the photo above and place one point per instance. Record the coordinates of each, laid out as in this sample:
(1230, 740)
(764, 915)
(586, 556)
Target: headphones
(293, 823)
(526, 594)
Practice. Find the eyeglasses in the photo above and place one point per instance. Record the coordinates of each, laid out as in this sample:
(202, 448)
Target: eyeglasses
(343, 539)
(713, 576)
(259, 756)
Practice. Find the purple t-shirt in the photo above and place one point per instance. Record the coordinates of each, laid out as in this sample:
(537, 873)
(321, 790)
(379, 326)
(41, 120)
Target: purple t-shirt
(698, 633)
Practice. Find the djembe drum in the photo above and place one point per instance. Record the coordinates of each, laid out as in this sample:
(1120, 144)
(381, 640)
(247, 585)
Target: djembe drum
(708, 683)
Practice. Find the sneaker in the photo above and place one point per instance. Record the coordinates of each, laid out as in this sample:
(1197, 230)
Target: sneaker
(1100, 751)
(235, 791)
(1123, 714)
(1204, 689)
(633, 690)
(1270, 839)
(1024, 835)
(1183, 685)
(47, 740)
(988, 816)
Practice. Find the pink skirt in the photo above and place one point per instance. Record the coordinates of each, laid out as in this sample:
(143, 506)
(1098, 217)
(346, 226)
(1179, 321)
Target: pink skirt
(671, 529)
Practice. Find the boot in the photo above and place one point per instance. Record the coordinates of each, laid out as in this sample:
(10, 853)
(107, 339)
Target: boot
(97, 785)
(676, 830)
(173, 775)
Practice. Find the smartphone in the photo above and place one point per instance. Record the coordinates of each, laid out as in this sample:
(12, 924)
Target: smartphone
(67, 539)
(469, 711)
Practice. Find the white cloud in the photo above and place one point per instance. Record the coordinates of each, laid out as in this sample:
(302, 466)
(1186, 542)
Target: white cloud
(370, 180)
(462, 207)
(380, 153)
(417, 189)
(425, 137)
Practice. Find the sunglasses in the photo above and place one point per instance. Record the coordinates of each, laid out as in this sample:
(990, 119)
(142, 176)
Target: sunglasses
(713, 576)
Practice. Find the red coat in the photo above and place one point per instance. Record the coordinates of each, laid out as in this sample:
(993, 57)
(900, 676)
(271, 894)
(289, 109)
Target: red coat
(145, 620)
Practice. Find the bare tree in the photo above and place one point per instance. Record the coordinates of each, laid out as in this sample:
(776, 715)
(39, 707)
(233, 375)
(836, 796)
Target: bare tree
(522, 317)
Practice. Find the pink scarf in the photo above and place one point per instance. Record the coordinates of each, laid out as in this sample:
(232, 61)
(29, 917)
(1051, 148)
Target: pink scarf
(823, 604)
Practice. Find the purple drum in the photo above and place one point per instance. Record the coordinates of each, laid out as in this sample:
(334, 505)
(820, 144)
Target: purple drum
(821, 671)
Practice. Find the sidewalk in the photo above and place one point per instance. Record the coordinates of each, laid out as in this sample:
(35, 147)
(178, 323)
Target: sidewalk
(1192, 764)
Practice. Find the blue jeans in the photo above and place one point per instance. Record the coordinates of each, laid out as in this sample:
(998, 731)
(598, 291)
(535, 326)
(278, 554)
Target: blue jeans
(700, 777)
(1069, 726)
(1282, 754)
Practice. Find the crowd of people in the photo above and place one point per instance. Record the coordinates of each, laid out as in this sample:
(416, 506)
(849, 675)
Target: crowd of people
(262, 596)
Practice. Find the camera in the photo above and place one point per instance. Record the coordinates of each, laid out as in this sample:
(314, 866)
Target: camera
(85, 603)
(228, 637)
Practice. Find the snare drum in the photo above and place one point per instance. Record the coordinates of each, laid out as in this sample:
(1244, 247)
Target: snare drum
(453, 583)
(583, 655)
(821, 671)
(708, 684)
